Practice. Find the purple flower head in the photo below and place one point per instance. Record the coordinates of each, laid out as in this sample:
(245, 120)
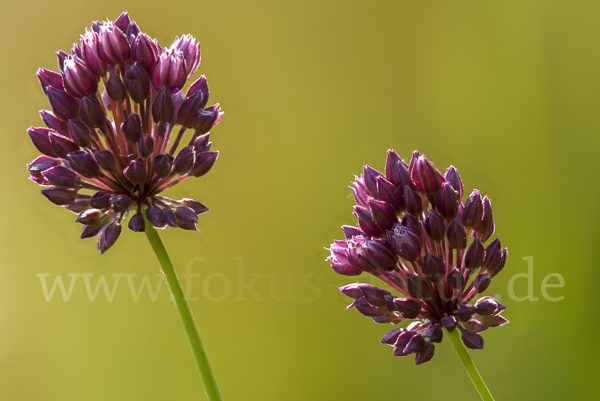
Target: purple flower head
(417, 236)
(110, 147)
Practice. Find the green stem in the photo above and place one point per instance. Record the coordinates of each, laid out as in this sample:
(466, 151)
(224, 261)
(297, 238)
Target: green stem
(472, 371)
(210, 385)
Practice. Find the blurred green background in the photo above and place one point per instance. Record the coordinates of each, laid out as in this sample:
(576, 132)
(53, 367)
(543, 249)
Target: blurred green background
(506, 91)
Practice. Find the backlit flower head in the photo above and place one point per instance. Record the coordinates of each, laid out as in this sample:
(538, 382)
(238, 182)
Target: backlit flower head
(113, 140)
(417, 236)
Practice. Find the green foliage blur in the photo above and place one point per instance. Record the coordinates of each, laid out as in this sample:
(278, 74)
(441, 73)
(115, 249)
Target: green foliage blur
(507, 91)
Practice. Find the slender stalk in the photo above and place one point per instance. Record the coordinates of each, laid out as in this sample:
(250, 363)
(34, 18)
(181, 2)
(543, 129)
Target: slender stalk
(210, 384)
(472, 371)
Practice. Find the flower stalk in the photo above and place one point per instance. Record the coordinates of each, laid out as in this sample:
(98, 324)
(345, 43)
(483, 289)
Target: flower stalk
(470, 367)
(210, 384)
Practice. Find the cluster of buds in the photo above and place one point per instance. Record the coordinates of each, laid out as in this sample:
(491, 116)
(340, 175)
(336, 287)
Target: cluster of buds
(417, 236)
(107, 149)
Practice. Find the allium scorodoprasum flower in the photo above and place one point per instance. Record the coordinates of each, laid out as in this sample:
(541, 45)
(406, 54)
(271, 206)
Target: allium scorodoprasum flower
(415, 234)
(109, 149)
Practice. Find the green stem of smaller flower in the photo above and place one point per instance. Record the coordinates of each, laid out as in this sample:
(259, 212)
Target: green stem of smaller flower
(210, 384)
(472, 371)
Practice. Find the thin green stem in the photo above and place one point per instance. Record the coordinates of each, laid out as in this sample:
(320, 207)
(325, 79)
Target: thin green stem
(210, 385)
(472, 371)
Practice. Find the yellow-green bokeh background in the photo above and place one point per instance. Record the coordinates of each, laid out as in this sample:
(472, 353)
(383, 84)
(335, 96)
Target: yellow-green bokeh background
(507, 91)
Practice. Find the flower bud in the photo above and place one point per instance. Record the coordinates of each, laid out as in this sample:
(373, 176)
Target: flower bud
(486, 227)
(486, 306)
(425, 354)
(89, 47)
(453, 178)
(39, 165)
(54, 122)
(186, 116)
(84, 163)
(475, 325)
(201, 86)
(339, 260)
(413, 202)
(163, 109)
(493, 321)
(123, 21)
(106, 160)
(61, 177)
(60, 196)
(137, 223)
(168, 216)
(383, 213)
(409, 308)
(137, 82)
(482, 282)
(402, 341)
(449, 322)
(391, 337)
(122, 202)
(136, 171)
(184, 160)
(145, 146)
(92, 112)
(80, 133)
(473, 212)
(465, 311)
(163, 165)
(62, 104)
(41, 140)
(361, 193)
(115, 88)
(154, 216)
(471, 339)
(433, 267)
(113, 47)
(78, 79)
(49, 78)
(380, 254)
(496, 269)
(426, 177)
(145, 53)
(203, 163)
(101, 200)
(435, 333)
(415, 344)
(357, 256)
(417, 287)
(456, 279)
(169, 70)
(474, 255)
(108, 237)
(185, 214)
(434, 226)
(406, 243)
(196, 206)
(132, 128)
(89, 216)
(446, 201)
(365, 221)
(457, 237)
(191, 52)
(387, 192)
(90, 231)
(370, 177)
(62, 145)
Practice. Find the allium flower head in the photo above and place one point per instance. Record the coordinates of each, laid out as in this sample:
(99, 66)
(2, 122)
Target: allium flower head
(110, 149)
(417, 236)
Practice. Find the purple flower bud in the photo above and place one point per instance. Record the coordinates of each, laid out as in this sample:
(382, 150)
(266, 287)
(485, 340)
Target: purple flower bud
(395, 170)
(184, 160)
(132, 128)
(456, 280)
(391, 337)
(415, 344)
(434, 225)
(449, 322)
(145, 52)
(473, 211)
(354, 290)
(406, 243)
(402, 341)
(163, 165)
(89, 45)
(446, 201)
(39, 165)
(100, 200)
(363, 306)
(60, 196)
(201, 143)
(361, 193)
(123, 21)
(413, 161)
(113, 47)
(80, 133)
(357, 256)
(80, 205)
(206, 119)
(185, 214)
(426, 177)
(154, 216)
(115, 88)
(413, 202)
(380, 254)
(383, 213)
(62, 145)
(417, 287)
(49, 78)
(474, 255)
(453, 178)
(90, 231)
(122, 202)
(146, 146)
(92, 112)
(106, 160)
(493, 254)
(62, 104)
(370, 177)
(203, 163)
(486, 227)
(163, 109)
(79, 80)
(199, 86)
(54, 122)
(493, 321)
(365, 221)
(339, 260)
(425, 354)
(61, 177)
(409, 308)
(351, 231)
(61, 56)
(137, 223)
(168, 216)
(387, 192)
(108, 237)
(186, 116)
(475, 326)
(136, 172)
(482, 282)
(41, 140)
(457, 237)
(89, 217)
(433, 267)
(465, 312)
(169, 70)
(196, 206)
(133, 30)
(471, 339)
(498, 267)
(84, 163)
(486, 306)
(137, 82)
(191, 52)
(435, 333)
